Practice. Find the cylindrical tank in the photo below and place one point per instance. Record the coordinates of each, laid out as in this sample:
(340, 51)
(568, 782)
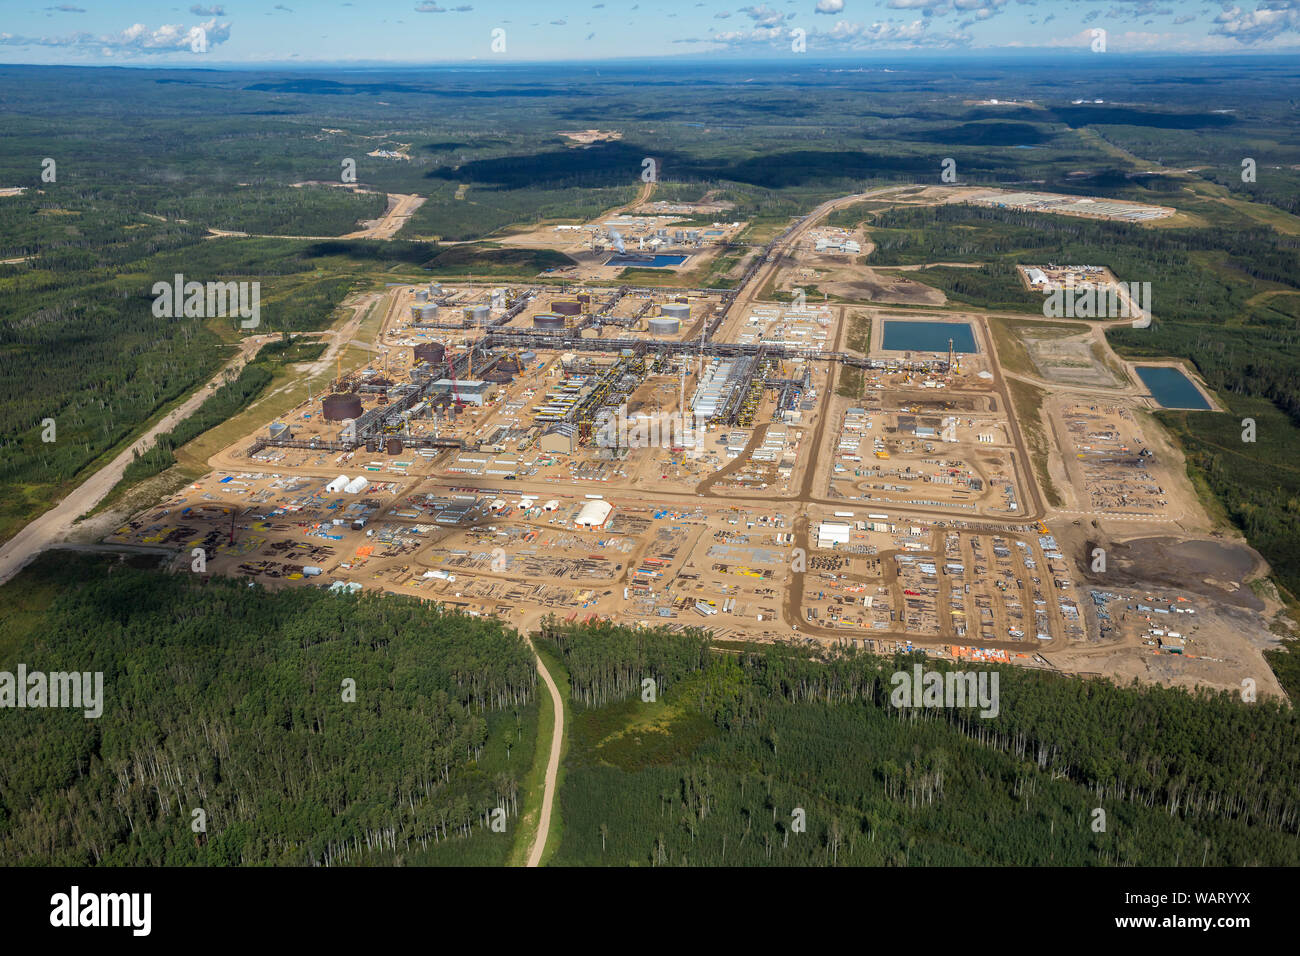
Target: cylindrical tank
(676, 310)
(372, 445)
(342, 405)
(566, 307)
(421, 295)
(477, 314)
(584, 297)
(415, 313)
(548, 320)
(428, 312)
(498, 374)
(393, 446)
(665, 326)
(435, 353)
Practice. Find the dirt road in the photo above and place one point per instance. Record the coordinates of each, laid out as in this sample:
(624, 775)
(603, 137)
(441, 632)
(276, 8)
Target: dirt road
(552, 764)
(56, 524)
(401, 207)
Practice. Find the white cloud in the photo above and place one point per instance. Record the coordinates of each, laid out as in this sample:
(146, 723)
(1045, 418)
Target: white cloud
(763, 15)
(136, 39)
(1270, 19)
(846, 35)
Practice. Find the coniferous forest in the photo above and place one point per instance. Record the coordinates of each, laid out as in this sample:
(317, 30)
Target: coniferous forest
(231, 701)
(717, 768)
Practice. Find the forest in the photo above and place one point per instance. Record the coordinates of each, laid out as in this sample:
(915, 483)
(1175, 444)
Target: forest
(234, 395)
(716, 768)
(313, 729)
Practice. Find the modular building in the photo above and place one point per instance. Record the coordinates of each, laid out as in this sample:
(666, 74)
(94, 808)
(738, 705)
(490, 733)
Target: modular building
(831, 533)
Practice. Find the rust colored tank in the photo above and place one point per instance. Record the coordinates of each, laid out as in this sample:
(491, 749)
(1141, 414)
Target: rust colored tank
(342, 405)
(566, 307)
(393, 446)
(435, 353)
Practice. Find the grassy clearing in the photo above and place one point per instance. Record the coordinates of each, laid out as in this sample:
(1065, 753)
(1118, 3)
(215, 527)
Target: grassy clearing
(1028, 401)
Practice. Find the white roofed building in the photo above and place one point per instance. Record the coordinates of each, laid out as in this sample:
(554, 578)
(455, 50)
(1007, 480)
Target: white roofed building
(594, 514)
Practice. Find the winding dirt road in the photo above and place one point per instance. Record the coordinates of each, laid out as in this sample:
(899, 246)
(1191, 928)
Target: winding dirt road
(552, 764)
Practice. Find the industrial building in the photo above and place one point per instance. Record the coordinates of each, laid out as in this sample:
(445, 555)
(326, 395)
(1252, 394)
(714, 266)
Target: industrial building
(594, 514)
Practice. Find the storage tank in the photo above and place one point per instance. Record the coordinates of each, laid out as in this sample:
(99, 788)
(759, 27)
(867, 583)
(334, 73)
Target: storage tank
(477, 314)
(665, 326)
(372, 445)
(548, 320)
(435, 353)
(415, 313)
(584, 298)
(676, 310)
(342, 405)
(393, 446)
(499, 375)
(566, 307)
(428, 312)
(421, 295)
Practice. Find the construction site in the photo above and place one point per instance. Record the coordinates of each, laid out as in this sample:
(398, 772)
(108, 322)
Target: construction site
(681, 239)
(694, 459)
(1062, 204)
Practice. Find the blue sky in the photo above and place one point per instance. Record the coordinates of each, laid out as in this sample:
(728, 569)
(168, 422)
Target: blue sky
(426, 32)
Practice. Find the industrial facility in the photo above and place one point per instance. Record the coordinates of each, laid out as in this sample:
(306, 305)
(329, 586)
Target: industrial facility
(656, 455)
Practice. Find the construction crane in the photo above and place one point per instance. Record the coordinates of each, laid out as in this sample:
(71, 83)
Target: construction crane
(455, 390)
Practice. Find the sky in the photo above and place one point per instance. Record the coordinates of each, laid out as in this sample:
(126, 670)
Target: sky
(256, 32)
